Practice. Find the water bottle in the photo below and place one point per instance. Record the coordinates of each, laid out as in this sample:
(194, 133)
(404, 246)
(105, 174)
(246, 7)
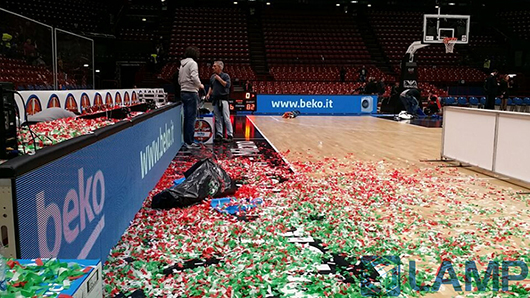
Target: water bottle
(3, 269)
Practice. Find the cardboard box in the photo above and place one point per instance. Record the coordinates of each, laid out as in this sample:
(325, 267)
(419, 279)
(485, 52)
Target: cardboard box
(89, 285)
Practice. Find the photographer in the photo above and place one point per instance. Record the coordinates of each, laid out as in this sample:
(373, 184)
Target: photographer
(433, 105)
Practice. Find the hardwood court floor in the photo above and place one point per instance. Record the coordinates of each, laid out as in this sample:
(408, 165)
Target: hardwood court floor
(368, 138)
(372, 139)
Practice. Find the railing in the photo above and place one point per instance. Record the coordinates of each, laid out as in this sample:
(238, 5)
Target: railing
(489, 139)
(42, 57)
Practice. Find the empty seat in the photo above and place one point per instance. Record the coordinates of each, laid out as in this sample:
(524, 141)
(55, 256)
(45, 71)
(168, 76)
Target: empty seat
(462, 101)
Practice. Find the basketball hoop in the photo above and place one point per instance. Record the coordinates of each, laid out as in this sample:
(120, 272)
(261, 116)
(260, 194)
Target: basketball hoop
(449, 44)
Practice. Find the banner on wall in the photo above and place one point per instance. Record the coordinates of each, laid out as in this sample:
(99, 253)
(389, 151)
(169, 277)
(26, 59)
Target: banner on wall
(76, 100)
(84, 201)
(317, 104)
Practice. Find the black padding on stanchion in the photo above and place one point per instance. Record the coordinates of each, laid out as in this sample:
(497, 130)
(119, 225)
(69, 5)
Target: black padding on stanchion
(153, 113)
(141, 107)
(111, 129)
(25, 163)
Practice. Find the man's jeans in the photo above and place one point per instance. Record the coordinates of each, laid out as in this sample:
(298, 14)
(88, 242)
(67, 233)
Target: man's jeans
(190, 101)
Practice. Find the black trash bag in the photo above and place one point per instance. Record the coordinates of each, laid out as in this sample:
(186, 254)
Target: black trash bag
(205, 178)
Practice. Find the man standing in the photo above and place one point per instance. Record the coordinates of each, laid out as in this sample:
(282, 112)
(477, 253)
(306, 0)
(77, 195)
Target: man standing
(342, 74)
(372, 86)
(491, 88)
(503, 91)
(189, 92)
(248, 86)
(363, 73)
(487, 64)
(219, 91)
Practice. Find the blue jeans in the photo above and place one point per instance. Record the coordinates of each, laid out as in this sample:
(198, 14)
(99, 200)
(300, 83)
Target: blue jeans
(190, 101)
(222, 116)
(410, 103)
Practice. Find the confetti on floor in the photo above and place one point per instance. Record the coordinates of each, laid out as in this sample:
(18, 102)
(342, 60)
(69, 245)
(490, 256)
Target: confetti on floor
(351, 208)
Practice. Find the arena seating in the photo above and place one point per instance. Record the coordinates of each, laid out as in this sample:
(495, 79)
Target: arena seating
(518, 21)
(298, 87)
(26, 76)
(446, 74)
(305, 49)
(238, 71)
(425, 87)
(319, 73)
(227, 42)
(448, 101)
(140, 21)
(450, 74)
(396, 30)
(88, 16)
(473, 101)
(312, 37)
(138, 34)
(525, 105)
(515, 104)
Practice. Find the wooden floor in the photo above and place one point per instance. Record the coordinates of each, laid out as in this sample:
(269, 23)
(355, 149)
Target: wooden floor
(404, 146)
(368, 138)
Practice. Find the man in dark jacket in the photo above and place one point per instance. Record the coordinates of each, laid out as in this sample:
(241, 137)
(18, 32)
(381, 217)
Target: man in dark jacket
(363, 73)
(248, 87)
(372, 86)
(491, 88)
(219, 93)
(503, 91)
(411, 99)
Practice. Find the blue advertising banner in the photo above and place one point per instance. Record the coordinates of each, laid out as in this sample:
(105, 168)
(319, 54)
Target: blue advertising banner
(78, 206)
(317, 104)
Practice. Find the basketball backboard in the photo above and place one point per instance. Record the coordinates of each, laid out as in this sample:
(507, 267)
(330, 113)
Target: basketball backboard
(436, 27)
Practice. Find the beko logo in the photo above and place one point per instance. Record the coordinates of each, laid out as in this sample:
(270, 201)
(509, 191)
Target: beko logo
(80, 208)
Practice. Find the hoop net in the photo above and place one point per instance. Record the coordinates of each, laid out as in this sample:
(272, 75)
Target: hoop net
(449, 44)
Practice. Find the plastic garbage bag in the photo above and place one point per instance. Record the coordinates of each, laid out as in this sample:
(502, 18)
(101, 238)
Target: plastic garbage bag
(205, 178)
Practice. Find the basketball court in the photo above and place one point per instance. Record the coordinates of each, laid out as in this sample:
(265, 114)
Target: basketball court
(340, 181)
(335, 190)
(329, 187)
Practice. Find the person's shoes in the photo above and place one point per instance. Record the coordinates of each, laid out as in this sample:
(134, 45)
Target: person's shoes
(405, 116)
(218, 139)
(228, 139)
(193, 146)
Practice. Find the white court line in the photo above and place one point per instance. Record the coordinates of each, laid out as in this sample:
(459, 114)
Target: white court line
(273, 147)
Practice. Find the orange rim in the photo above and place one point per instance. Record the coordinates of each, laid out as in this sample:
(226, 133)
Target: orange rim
(449, 39)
